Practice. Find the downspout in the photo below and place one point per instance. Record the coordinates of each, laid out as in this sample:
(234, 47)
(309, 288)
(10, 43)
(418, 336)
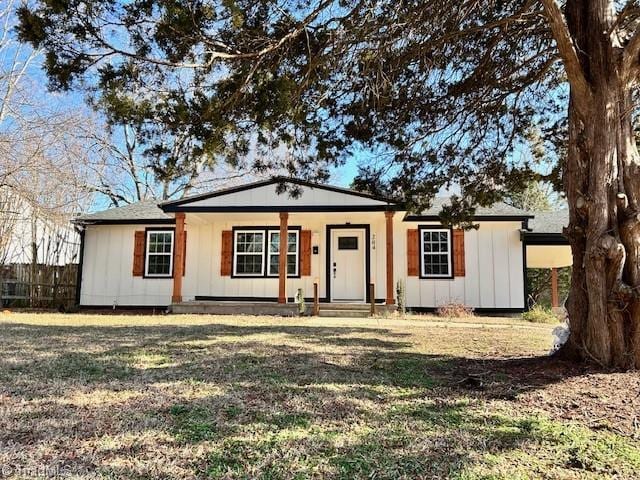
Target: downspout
(81, 231)
(525, 228)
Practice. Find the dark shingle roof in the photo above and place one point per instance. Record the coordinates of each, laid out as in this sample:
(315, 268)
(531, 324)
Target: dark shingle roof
(497, 209)
(140, 211)
(148, 210)
(549, 222)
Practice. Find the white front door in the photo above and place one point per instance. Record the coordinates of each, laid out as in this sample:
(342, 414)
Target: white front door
(347, 265)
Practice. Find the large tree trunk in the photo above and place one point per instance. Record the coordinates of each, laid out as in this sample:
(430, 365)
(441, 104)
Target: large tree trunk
(602, 181)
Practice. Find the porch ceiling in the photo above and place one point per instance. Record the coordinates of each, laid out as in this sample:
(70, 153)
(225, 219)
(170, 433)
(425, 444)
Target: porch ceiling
(548, 256)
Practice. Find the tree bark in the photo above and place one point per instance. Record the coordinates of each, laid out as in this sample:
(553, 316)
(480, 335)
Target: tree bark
(602, 182)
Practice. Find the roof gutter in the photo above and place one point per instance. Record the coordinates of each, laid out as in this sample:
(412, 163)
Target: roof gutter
(125, 221)
(485, 218)
(540, 238)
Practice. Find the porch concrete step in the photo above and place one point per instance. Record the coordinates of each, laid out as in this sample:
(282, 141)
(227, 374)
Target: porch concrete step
(352, 310)
(348, 310)
(347, 313)
(345, 306)
(236, 308)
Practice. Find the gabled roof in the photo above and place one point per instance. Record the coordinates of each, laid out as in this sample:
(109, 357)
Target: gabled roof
(498, 211)
(227, 200)
(272, 181)
(262, 196)
(146, 211)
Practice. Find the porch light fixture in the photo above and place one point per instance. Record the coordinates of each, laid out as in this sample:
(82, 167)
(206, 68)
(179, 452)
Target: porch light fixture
(373, 241)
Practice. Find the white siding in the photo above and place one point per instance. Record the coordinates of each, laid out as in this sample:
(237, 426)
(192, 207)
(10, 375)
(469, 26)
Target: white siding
(268, 197)
(203, 277)
(107, 270)
(493, 263)
(108, 258)
(493, 254)
(56, 240)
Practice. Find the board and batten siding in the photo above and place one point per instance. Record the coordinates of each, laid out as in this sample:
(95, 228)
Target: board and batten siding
(267, 196)
(107, 270)
(493, 263)
(203, 278)
(493, 277)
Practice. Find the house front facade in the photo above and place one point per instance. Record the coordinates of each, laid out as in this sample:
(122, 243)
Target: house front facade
(350, 247)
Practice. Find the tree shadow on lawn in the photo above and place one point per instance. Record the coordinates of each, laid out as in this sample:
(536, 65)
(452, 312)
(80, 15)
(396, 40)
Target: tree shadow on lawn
(307, 401)
(94, 353)
(123, 335)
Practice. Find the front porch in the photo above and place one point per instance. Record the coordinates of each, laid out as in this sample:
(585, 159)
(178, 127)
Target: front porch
(333, 256)
(337, 251)
(222, 307)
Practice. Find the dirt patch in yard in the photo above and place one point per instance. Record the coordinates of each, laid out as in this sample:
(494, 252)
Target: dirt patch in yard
(589, 395)
(598, 399)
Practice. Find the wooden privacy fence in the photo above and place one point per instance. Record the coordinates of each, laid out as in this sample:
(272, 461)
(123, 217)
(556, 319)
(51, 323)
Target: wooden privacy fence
(38, 286)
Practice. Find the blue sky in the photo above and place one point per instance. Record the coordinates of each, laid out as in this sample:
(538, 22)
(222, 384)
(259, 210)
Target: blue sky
(342, 175)
(36, 85)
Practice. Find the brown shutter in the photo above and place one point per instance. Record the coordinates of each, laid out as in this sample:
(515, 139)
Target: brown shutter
(458, 253)
(305, 253)
(184, 253)
(138, 254)
(413, 257)
(226, 260)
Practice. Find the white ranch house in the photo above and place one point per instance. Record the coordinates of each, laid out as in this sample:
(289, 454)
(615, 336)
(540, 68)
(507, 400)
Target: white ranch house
(221, 251)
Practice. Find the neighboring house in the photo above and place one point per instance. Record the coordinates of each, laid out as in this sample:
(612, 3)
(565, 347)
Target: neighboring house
(51, 242)
(224, 246)
(38, 255)
(26, 232)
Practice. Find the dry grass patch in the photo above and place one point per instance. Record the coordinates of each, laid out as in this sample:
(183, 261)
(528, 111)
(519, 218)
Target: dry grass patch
(251, 397)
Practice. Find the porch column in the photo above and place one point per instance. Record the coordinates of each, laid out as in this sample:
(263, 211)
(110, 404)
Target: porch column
(389, 221)
(282, 264)
(554, 288)
(178, 246)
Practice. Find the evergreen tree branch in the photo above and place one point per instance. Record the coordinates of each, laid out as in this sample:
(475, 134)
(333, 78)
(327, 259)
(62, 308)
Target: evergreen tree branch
(569, 55)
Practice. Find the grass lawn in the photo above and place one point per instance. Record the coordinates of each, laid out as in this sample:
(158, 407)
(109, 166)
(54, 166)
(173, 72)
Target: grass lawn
(93, 396)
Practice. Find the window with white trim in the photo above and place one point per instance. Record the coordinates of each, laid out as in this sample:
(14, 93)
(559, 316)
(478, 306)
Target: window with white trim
(256, 252)
(435, 252)
(274, 253)
(159, 253)
(248, 251)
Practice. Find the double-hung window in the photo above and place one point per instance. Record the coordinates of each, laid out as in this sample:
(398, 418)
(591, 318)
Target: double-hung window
(274, 253)
(256, 252)
(159, 253)
(249, 253)
(435, 253)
